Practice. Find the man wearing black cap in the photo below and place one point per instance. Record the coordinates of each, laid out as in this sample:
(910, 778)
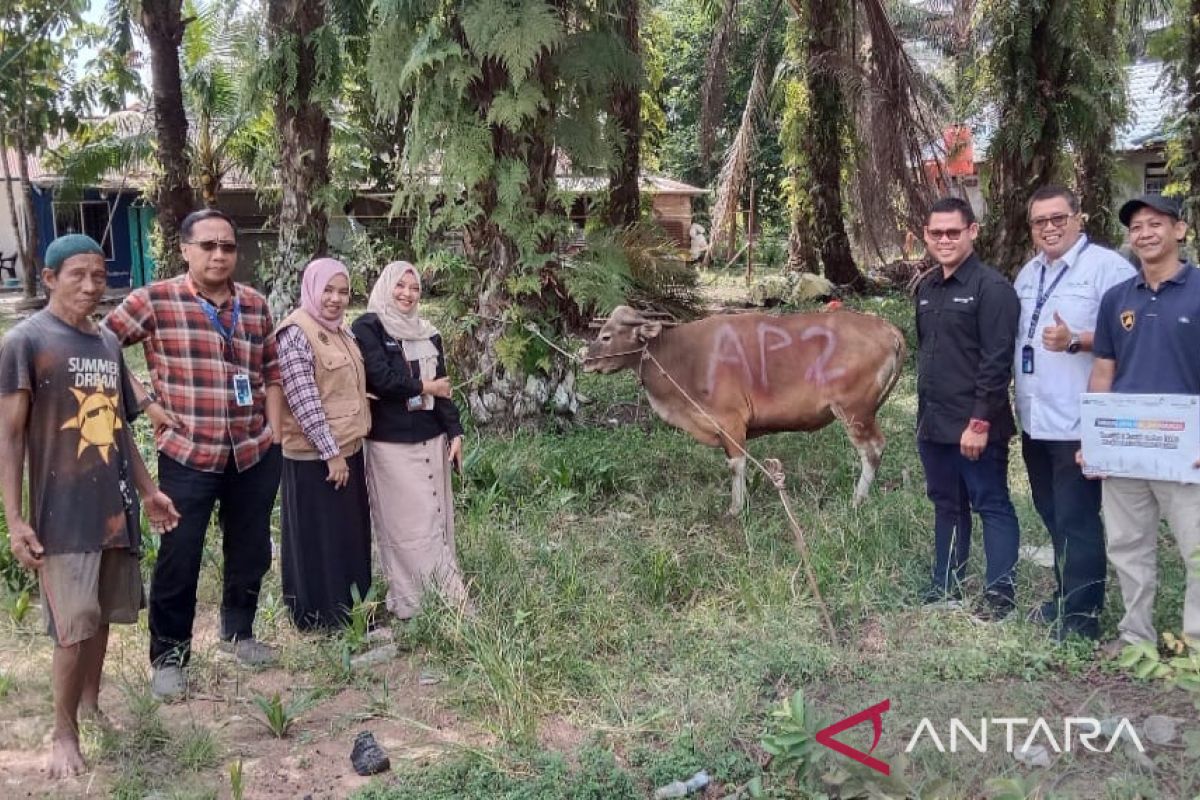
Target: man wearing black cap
(1146, 343)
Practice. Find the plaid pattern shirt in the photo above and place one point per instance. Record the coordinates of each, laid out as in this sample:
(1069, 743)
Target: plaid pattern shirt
(300, 388)
(192, 369)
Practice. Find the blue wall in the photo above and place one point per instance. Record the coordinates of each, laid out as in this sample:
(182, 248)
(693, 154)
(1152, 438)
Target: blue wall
(120, 265)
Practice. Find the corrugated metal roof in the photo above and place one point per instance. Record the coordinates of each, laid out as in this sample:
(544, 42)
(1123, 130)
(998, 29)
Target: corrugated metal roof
(1151, 104)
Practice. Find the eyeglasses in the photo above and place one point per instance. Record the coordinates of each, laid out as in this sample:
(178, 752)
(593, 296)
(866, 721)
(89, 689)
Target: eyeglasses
(1055, 221)
(209, 245)
(949, 234)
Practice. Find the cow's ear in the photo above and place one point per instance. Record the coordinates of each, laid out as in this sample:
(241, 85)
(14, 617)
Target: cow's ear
(649, 330)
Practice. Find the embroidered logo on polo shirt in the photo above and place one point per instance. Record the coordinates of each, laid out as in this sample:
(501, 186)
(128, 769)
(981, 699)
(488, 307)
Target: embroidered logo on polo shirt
(1127, 320)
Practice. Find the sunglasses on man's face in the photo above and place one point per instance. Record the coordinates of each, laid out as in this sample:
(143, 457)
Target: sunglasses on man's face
(209, 245)
(949, 234)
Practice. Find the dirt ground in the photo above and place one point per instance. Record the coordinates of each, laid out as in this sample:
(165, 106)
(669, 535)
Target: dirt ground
(408, 719)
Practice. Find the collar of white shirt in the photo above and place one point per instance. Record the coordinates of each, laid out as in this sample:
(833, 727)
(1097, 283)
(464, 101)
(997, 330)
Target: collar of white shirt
(1069, 257)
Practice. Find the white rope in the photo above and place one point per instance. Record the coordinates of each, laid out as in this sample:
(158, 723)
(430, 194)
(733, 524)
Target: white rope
(772, 469)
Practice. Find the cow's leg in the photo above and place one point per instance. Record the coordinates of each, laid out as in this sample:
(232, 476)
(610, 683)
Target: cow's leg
(737, 469)
(868, 441)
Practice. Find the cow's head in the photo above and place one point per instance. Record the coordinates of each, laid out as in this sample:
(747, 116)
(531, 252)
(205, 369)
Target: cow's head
(620, 342)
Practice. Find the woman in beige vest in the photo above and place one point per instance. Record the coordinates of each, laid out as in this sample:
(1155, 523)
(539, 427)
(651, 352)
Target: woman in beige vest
(325, 510)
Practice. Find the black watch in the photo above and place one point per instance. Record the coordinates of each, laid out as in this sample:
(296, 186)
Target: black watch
(1076, 344)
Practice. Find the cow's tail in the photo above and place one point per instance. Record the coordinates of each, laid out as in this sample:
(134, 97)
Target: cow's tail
(899, 352)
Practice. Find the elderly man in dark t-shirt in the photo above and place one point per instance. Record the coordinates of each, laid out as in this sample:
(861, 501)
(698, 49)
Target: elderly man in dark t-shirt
(63, 397)
(1146, 343)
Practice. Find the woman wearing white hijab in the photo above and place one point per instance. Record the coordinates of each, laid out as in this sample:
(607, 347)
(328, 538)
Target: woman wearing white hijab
(414, 441)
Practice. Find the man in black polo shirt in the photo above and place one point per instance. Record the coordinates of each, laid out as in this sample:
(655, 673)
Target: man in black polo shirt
(1148, 342)
(967, 315)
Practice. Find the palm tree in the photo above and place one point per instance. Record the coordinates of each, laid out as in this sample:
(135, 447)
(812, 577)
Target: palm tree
(306, 69)
(34, 41)
(163, 24)
(220, 111)
(866, 117)
(1053, 76)
(624, 204)
(496, 92)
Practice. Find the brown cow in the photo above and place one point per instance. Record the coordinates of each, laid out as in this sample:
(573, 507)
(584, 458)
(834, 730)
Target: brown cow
(756, 373)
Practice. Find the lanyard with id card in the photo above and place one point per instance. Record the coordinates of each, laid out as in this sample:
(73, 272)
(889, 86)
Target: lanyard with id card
(417, 402)
(242, 396)
(1042, 297)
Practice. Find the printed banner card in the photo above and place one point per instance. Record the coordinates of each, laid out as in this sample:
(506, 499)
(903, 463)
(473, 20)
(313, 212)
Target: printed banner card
(1153, 436)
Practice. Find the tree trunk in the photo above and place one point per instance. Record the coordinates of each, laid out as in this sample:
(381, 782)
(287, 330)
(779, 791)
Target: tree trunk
(1020, 164)
(503, 391)
(31, 258)
(804, 254)
(163, 25)
(827, 111)
(27, 256)
(1192, 125)
(1094, 170)
(1095, 164)
(624, 201)
(304, 133)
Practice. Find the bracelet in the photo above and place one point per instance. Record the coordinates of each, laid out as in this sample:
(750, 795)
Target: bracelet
(979, 425)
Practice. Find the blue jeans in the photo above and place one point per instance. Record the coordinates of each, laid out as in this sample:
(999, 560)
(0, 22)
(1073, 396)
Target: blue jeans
(955, 486)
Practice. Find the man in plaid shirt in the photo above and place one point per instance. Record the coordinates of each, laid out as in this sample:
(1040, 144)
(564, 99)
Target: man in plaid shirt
(216, 407)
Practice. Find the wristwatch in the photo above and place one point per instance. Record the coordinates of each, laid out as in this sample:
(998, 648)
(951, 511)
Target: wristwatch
(979, 426)
(1076, 344)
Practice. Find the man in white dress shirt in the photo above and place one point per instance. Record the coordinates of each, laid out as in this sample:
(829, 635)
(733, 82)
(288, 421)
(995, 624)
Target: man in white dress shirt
(1060, 291)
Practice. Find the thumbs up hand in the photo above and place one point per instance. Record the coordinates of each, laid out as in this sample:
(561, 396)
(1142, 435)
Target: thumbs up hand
(1056, 337)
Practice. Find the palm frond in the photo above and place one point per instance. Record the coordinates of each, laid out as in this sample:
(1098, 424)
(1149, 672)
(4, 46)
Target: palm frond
(716, 78)
(737, 160)
(898, 116)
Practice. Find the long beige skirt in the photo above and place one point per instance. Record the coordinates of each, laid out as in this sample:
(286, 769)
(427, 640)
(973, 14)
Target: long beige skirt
(412, 514)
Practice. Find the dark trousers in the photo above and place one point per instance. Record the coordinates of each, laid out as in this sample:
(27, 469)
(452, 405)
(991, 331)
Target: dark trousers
(246, 500)
(1069, 505)
(956, 485)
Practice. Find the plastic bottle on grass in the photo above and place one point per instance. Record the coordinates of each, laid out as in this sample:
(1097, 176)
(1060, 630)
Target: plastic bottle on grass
(682, 788)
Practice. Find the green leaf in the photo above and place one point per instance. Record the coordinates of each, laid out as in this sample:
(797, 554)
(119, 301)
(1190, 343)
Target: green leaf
(515, 32)
(511, 108)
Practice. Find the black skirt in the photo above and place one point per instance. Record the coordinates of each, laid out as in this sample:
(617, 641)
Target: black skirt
(326, 542)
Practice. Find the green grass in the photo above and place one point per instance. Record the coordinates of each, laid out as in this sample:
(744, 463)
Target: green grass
(628, 634)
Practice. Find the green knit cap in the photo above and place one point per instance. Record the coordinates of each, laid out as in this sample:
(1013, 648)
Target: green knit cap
(73, 244)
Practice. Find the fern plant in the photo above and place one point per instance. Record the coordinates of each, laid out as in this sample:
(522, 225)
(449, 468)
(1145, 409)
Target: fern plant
(497, 91)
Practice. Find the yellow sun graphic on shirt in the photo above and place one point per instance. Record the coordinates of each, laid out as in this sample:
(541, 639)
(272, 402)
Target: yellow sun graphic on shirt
(97, 422)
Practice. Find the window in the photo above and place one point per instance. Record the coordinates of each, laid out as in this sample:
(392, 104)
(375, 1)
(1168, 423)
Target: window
(90, 217)
(1156, 177)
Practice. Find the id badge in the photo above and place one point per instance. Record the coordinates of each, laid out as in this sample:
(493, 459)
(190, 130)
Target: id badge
(416, 403)
(241, 390)
(1027, 359)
